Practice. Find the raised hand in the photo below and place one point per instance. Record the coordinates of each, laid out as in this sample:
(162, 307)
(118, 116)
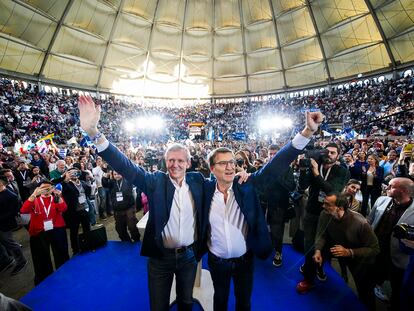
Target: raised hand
(313, 121)
(89, 115)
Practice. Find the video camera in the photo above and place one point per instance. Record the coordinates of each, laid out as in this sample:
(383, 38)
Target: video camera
(404, 231)
(319, 155)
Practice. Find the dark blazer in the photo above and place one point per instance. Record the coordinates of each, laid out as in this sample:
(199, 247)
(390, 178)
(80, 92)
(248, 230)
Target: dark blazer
(378, 180)
(246, 195)
(160, 192)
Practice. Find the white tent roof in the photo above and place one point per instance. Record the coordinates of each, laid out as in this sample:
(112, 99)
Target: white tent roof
(201, 48)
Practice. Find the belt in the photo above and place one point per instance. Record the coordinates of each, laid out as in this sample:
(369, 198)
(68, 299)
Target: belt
(246, 256)
(179, 250)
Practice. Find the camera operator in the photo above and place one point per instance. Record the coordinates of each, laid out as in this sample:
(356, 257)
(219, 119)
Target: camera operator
(322, 176)
(395, 208)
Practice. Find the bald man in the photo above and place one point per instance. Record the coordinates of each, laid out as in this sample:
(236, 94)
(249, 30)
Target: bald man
(395, 208)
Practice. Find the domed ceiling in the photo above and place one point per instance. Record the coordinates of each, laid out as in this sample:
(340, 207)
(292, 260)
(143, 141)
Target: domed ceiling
(202, 48)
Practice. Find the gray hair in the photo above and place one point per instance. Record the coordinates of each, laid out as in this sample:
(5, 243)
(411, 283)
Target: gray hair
(178, 147)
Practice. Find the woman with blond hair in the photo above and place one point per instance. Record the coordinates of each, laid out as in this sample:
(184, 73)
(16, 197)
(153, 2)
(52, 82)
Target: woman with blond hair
(372, 178)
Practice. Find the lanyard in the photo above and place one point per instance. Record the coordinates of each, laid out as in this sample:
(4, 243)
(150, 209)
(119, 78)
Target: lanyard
(327, 173)
(23, 175)
(47, 211)
(119, 185)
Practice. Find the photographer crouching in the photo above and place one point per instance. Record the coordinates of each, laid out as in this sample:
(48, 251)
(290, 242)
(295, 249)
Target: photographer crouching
(320, 173)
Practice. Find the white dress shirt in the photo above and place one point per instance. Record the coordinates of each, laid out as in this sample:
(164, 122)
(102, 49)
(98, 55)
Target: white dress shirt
(180, 228)
(228, 229)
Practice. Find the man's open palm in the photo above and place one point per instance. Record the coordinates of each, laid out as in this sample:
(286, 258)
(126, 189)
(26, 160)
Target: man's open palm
(89, 115)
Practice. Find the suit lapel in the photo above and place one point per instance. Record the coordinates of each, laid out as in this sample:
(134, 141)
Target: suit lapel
(170, 195)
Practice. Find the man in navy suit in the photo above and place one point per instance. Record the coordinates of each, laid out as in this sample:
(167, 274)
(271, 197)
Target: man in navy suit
(234, 226)
(175, 235)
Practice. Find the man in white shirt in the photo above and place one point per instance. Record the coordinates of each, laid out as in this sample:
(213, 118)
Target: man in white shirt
(234, 227)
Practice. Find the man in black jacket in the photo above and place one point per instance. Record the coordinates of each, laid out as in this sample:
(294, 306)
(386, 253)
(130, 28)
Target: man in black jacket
(321, 178)
(75, 192)
(8, 212)
(121, 195)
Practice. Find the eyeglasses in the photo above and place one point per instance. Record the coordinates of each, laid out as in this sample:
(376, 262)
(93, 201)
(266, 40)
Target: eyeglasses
(225, 163)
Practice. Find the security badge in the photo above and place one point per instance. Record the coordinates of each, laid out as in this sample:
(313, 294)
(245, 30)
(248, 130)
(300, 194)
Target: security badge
(48, 225)
(119, 197)
(321, 196)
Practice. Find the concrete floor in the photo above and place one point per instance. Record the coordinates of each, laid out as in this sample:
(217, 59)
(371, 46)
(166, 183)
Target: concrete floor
(19, 285)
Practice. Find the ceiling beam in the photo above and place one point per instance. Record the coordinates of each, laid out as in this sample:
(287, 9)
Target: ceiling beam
(55, 34)
(318, 36)
(381, 31)
(243, 33)
(181, 50)
(111, 35)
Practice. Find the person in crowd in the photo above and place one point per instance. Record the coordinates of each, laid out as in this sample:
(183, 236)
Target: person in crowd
(405, 166)
(352, 187)
(75, 193)
(36, 178)
(47, 229)
(98, 172)
(231, 205)
(372, 178)
(11, 255)
(275, 201)
(348, 160)
(395, 208)
(58, 172)
(22, 177)
(12, 184)
(389, 164)
(346, 235)
(321, 178)
(243, 162)
(121, 194)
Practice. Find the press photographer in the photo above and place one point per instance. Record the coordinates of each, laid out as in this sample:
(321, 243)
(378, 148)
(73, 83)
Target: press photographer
(322, 175)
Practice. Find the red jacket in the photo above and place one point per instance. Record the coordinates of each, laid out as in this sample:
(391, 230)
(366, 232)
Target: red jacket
(38, 215)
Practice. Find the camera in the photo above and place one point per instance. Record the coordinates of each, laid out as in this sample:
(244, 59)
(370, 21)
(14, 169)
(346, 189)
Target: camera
(404, 231)
(319, 155)
(55, 198)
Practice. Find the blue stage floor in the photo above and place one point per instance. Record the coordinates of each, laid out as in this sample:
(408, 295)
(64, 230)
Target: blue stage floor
(115, 278)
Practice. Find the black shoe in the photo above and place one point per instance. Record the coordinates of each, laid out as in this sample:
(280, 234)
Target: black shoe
(19, 267)
(277, 260)
(6, 266)
(321, 274)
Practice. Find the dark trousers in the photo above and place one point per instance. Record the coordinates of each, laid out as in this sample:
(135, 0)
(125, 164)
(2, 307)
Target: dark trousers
(364, 282)
(396, 280)
(76, 219)
(40, 248)
(127, 219)
(368, 192)
(310, 224)
(102, 197)
(161, 272)
(276, 221)
(223, 271)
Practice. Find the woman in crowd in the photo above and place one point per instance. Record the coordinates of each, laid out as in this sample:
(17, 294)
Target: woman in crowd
(46, 229)
(372, 178)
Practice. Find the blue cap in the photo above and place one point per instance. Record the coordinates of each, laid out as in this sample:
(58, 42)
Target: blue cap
(58, 187)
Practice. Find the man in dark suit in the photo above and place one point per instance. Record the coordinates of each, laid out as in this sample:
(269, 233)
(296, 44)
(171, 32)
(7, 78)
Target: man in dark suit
(174, 235)
(175, 202)
(234, 226)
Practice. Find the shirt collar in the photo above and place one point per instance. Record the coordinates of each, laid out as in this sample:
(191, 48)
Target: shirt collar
(230, 190)
(177, 186)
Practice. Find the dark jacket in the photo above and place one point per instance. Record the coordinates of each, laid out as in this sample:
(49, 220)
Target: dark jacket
(9, 208)
(246, 194)
(160, 192)
(127, 193)
(336, 181)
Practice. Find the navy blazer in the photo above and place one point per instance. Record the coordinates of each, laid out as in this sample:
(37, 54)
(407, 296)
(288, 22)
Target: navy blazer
(160, 192)
(246, 195)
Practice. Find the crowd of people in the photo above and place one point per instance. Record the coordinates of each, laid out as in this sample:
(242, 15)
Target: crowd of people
(88, 183)
(382, 108)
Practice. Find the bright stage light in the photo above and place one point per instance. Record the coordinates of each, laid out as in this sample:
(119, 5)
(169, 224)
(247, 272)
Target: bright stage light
(151, 123)
(274, 123)
(129, 126)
